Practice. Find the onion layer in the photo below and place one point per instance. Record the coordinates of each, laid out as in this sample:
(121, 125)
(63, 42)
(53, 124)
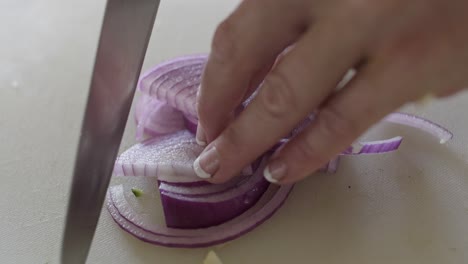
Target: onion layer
(188, 211)
(421, 123)
(144, 229)
(156, 118)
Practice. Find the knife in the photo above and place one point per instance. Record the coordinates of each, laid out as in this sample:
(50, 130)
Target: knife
(125, 33)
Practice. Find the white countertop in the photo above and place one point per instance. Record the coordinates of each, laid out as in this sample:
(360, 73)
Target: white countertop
(406, 207)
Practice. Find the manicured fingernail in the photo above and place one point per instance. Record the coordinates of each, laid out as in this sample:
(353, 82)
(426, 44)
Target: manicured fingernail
(200, 137)
(207, 163)
(275, 171)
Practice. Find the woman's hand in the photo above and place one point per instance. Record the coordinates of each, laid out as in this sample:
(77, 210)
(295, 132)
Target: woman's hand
(402, 51)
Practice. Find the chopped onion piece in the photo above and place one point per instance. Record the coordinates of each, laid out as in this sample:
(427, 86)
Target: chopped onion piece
(418, 122)
(156, 118)
(169, 157)
(374, 147)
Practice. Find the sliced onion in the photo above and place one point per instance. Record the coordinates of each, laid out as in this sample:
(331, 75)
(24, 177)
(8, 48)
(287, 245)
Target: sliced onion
(331, 166)
(374, 147)
(143, 228)
(418, 122)
(213, 213)
(190, 125)
(156, 118)
(153, 77)
(183, 211)
(194, 191)
(169, 157)
(175, 83)
(208, 188)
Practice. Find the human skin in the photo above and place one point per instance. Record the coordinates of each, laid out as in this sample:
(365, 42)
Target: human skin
(401, 50)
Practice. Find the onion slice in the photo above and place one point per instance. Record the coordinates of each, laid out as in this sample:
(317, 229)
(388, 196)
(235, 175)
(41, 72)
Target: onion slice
(188, 211)
(374, 147)
(154, 76)
(140, 226)
(207, 189)
(169, 157)
(156, 118)
(175, 82)
(421, 123)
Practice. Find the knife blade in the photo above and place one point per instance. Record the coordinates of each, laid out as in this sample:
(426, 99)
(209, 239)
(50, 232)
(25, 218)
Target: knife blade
(125, 33)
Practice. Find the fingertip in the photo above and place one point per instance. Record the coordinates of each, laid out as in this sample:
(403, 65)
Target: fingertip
(275, 171)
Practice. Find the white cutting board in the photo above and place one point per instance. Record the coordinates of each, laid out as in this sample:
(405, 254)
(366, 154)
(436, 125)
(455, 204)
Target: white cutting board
(406, 207)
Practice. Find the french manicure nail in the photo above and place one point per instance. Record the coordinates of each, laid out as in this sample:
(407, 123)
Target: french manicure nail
(206, 165)
(275, 171)
(200, 137)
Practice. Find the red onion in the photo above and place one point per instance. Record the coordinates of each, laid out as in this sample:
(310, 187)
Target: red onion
(175, 82)
(374, 147)
(143, 227)
(188, 211)
(205, 214)
(155, 118)
(168, 157)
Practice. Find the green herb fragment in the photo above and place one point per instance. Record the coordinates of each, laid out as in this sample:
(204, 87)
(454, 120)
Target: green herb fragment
(137, 192)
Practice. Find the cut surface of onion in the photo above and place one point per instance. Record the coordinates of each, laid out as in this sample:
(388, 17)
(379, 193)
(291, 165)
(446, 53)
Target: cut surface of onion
(142, 226)
(169, 157)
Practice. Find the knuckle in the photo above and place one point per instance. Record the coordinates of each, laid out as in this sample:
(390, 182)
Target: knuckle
(277, 97)
(307, 151)
(333, 123)
(223, 45)
(231, 141)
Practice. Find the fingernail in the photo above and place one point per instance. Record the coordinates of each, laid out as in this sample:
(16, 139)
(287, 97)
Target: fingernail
(200, 137)
(275, 171)
(207, 163)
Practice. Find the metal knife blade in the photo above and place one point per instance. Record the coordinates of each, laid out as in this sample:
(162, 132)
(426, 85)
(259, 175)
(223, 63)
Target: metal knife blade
(125, 33)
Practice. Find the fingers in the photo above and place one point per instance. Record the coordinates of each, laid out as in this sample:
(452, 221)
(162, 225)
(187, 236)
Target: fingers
(293, 89)
(343, 118)
(244, 45)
